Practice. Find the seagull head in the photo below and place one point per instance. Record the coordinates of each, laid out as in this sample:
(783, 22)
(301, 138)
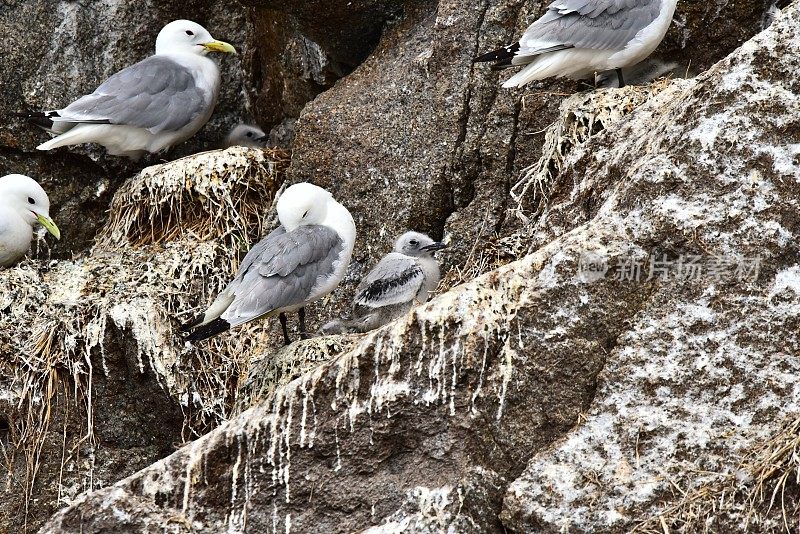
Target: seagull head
(303, 204)
(27, 198)
(246, 135)
(416, 244)
(187, 37)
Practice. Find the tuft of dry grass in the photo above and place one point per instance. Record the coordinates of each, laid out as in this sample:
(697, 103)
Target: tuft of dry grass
(582, 117)
(279, 368)
(775, 469)
(761, 495)
(198, 195)
(484, 256)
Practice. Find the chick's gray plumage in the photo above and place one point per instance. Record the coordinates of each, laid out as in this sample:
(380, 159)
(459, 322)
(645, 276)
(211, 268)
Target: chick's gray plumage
(403, 278)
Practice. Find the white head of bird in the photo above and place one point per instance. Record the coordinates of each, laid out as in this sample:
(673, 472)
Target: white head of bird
(25, 197)
(303, 204)
(416, 244)
(246, 135)
(187, 37)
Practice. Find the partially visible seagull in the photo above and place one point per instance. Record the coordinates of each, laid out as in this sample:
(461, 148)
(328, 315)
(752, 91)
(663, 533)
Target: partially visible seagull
(403, 278)
(23, 203)
(298, 263)
(578, 38)
(247, 135)
(147, 107)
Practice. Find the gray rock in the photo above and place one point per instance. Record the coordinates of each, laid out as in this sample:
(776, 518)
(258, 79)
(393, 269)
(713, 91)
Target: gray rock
(531, 399)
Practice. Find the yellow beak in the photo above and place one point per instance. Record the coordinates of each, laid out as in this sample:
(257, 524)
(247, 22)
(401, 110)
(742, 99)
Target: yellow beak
(49, 225)
(220, 46)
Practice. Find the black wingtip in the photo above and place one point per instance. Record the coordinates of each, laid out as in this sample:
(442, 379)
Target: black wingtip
(39, 118)
(502, 55)
(191, 323)
(217, 326)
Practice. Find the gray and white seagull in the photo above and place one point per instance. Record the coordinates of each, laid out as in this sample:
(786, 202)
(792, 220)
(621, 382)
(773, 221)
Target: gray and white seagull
(23, 204)
(404, 277)
(149, 106)
(578, 38)
(298, 263)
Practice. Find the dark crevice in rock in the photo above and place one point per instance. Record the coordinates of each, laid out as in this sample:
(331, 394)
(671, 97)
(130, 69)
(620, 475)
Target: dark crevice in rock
(511, 159)
(347, 31)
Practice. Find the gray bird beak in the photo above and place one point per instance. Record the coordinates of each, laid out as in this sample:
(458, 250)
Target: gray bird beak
(262, 139)
(433, 247)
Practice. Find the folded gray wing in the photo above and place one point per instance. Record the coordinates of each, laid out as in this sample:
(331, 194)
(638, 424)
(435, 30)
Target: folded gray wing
(395, 280)
(281, 270)
(156, 94)
(592, 24)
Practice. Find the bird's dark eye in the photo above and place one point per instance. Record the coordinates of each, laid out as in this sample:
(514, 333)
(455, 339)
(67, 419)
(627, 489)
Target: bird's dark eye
(189, 32)
(304, 215)
(31, 201)
(413, 242)
(249, 134)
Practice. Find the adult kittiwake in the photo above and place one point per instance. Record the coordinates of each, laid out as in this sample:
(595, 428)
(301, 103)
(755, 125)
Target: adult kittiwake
(298, 263)
(404, 277)
(247, 135)
(147, 107)
(23, 203)
(578, 38)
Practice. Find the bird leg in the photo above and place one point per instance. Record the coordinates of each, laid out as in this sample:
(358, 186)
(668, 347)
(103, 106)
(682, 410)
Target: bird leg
(620, 78)
(282, 317)
(302, 315)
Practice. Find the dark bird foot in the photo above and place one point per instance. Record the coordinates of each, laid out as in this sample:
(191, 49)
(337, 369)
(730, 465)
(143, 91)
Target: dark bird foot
(282, 318)
(302, 316)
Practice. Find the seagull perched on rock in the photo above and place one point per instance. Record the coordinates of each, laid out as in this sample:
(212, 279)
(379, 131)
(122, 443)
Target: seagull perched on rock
(577, 38)
(298, 263)
(147, 107)
(23, 203)
(247, 135)
(404, 277)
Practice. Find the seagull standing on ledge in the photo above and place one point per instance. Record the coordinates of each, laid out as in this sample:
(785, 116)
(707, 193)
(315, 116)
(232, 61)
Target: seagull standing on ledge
(147, 107)
(404, 277)
(300, 262)
(577, 38)
(23, 203)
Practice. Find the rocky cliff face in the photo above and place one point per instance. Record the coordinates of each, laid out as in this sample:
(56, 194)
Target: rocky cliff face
(613, 349)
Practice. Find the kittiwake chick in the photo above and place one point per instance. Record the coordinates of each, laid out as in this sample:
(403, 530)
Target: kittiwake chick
(403, 278)
(247, 135)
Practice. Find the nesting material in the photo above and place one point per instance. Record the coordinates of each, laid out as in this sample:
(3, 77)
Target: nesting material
(219, 194)
(582, 117)
(277, 369)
